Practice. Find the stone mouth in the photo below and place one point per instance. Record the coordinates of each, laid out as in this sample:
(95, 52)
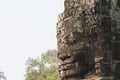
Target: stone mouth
(72, 63)
(69, 70)
(67, 63)
(67, 66)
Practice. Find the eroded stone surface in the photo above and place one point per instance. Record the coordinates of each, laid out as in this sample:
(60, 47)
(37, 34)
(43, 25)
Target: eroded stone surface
(74, 39)
(88, 35)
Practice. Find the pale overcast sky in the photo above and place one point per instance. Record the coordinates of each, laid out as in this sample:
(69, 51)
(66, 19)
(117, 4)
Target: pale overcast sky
(27, 28)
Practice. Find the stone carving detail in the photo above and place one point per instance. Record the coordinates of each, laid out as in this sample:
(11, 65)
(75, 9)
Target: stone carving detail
(108, 17)
(74, 39)
(88, 35)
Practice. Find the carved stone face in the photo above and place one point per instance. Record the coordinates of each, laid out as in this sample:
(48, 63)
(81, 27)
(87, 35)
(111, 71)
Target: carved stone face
(74, 42)
(73, 63)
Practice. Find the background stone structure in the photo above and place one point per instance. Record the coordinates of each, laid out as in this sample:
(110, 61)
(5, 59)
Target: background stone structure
(88, 35)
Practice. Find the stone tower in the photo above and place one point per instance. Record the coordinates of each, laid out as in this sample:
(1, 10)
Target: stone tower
(88, 35)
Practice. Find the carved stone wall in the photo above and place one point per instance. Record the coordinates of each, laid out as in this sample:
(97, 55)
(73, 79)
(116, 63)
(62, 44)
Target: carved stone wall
(108, 22)
(88, 35)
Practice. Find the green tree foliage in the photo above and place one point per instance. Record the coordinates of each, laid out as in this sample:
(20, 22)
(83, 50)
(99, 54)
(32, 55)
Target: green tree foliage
(43, 68)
